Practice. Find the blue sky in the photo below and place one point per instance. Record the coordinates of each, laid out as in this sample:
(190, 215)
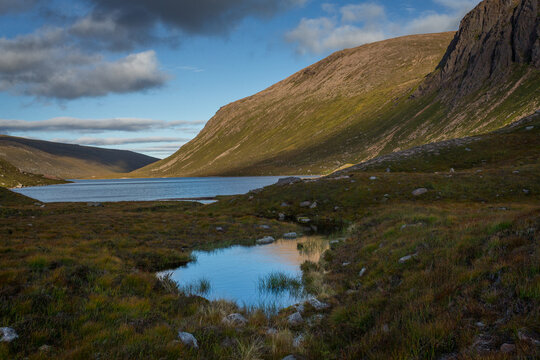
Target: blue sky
(145, 75)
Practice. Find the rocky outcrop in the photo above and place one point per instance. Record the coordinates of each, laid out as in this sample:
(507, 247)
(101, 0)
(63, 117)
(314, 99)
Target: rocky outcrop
(492, 38)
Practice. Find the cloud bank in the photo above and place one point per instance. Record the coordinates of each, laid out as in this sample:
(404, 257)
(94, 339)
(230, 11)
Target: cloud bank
(123, 141)
(92, 126)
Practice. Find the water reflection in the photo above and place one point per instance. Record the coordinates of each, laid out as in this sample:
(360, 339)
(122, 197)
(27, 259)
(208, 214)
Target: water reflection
(241, 273)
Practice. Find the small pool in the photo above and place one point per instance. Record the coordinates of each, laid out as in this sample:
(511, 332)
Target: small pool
(242, 273)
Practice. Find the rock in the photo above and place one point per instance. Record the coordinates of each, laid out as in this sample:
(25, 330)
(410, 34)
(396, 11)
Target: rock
(388, 170)
(266, 240)
(284, 204)
(297, 342)
(94, 204)
(508, 348)
(467, 149)
(305, 204)
(407, 258)
(219, 228)
(318, 305)
(271, 331)
(313, 206)
(304, 220)
(315, 319)
(482, 344)
(8, 334)
(291, 235)
(362, 272)
(526, 191)
(346, 264)
(420, 191)
(452, 170)
(529, 336)
(351, 292)
(529, 128)
(295, 319)
(480, 324)
(289, 357)
(188, 339)
(336, 208)
(45, 348)
(385, 328)
(265, 227)
(373, 178)
(281, 217)
(288, 180)
(229, 342)
(235, 320)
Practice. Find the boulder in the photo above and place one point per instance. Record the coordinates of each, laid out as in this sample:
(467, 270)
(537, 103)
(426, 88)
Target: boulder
(291, 235)
(420, 191)
(318, 305)
(188, 339)
(235, 320)
(295, 319)
(288, 180)
(8, 334)
(266, 240)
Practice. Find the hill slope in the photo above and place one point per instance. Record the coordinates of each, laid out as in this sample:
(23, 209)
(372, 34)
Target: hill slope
(373, 100)
(11, 177)
(68, 161)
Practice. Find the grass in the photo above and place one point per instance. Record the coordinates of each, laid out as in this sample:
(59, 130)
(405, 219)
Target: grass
(278, 282)
(82, 279)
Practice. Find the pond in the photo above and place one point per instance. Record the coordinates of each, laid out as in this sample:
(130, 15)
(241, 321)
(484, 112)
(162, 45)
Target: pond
(264, 276)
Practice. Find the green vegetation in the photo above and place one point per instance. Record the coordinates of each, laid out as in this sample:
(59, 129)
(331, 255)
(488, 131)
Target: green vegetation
(278, 282)
(82, 279)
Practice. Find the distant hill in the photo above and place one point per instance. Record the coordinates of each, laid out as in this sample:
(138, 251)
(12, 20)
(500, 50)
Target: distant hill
(376, 99)
(68, 161)
(11, 177)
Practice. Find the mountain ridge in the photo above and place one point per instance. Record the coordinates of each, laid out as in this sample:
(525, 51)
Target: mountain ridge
(68, 161)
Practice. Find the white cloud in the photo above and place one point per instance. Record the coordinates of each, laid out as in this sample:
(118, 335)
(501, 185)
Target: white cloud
(360, 23)
(122, 141)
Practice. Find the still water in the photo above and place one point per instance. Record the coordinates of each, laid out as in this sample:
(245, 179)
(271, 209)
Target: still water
(146, 189)
(235, 273)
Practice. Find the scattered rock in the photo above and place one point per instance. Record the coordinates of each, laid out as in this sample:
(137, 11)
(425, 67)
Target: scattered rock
(508, 348)
(291, 235)
(271, 331)
(420, 191)
(529, 128)
(526, 191)
(265, 227)
(529, 336)
(284, 204)
(45, 348)
(8, 334)
(235, 320)
(452, 170)
(313, 206)
(304, 220)
(188, 339)
(219, 228)
(482, 344)
(362, 272)
(299, 307)
(266, 240)
(94, 204)
(305, 204)
(318, 305)
(288, 181)
(289, 357)
(336, 208)
(281, 217)
(295, 319)
(373, 178)
(407, 258)
(388, 170)
(480, 324)
(467, 149)
(315, 319)
(297, 342)
(515, 172)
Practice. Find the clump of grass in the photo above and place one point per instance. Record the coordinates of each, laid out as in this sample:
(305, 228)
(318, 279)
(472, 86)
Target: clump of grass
(200, 287)
(278, 283)
(251, 349)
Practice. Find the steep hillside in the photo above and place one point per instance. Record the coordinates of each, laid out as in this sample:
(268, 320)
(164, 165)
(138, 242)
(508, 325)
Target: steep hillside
(375, 99)
(11, 177)
(68, 161)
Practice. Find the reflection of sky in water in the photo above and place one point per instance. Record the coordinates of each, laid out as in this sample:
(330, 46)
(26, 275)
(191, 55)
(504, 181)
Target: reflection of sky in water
(234, 272)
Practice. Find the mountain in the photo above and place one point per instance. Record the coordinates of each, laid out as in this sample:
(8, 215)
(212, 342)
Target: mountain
(377, 99)
(68, 161)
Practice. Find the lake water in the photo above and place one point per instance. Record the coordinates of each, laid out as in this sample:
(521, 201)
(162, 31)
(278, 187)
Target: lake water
(146, 189)
(235, 273)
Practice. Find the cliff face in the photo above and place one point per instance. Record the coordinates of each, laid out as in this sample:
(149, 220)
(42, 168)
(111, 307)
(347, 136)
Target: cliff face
(492, 38)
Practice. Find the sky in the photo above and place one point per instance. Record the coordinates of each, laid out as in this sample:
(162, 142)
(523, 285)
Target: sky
(146, 75)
